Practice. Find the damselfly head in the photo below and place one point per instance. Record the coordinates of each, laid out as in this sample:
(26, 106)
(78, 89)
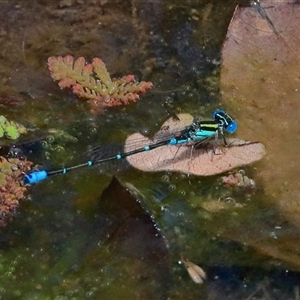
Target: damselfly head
(224, 120)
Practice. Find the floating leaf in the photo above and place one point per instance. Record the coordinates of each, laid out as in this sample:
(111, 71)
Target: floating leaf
(193, 160)
(93, 82)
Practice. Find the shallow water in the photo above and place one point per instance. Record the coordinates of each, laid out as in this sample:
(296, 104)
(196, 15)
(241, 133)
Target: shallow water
(72, 241)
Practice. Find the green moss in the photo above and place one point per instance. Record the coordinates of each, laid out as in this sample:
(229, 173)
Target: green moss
(12, 132)
(10, 129)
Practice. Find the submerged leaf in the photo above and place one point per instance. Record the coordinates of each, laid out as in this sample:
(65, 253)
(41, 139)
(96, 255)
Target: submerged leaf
(260, 80)
(131, 241)
(10, 101)
(196, 273)
(194, 160)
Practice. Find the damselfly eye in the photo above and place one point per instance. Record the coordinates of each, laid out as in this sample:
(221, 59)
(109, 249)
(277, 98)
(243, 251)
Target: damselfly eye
(218, 112)
(232, 127)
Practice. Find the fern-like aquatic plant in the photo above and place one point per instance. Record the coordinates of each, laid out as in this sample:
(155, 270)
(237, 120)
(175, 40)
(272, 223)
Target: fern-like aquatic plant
(93, 82)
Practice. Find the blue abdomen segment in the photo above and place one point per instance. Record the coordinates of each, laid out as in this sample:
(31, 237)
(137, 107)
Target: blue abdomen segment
(179, 141)
(35, 177)
(173, 141)
(183, 141)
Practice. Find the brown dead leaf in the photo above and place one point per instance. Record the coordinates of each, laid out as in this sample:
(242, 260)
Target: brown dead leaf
(260, 80)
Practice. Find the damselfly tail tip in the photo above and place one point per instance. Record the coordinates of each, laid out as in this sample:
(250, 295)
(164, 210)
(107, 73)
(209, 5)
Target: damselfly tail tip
(35, 177)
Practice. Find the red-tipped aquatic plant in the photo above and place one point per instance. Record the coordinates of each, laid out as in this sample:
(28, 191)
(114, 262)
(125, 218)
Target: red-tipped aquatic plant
(11, 189)
(93, 82)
